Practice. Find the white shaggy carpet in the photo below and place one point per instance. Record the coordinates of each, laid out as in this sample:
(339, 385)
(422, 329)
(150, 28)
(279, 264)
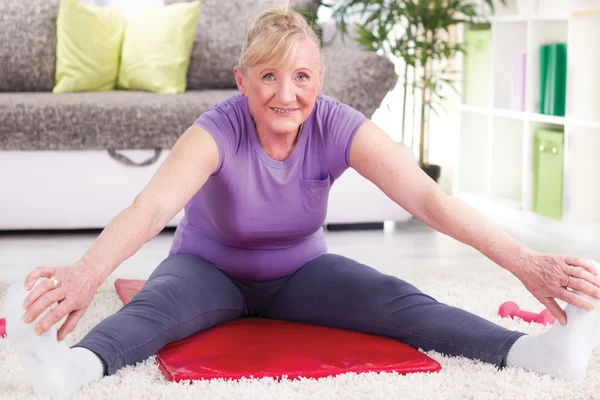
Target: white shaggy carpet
(478, 288)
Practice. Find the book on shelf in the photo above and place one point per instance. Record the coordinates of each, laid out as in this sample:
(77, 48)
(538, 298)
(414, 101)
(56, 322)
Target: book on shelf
(553, 78)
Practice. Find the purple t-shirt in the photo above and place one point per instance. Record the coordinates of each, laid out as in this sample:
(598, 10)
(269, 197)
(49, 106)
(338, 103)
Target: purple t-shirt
(258, 218)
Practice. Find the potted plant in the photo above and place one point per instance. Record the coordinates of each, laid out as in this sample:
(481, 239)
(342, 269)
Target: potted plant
(418, 32)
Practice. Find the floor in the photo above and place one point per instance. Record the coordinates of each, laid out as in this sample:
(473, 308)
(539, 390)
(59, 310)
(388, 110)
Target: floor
(404, 246)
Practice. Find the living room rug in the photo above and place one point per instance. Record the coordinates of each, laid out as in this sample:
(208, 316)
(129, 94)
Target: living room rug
(479, 288)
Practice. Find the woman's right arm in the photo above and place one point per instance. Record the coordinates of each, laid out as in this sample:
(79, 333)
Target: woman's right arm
(192, 160)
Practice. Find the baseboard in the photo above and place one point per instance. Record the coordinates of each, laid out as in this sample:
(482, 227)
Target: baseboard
(362, 226)
(65, 231)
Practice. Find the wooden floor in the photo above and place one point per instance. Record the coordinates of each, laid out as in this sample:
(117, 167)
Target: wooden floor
(407, 245)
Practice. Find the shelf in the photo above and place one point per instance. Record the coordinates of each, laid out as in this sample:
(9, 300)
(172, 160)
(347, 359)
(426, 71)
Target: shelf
(516, 205)
(534, 117)
(520, 115)
(475, 109)
(496, 164)
(525, 18)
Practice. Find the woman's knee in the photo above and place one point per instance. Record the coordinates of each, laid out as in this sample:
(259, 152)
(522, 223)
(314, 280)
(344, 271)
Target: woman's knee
(352, 279)
(379, 287)
(391, 285)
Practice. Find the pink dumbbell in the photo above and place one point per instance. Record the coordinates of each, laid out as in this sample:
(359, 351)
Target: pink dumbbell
(510, 309)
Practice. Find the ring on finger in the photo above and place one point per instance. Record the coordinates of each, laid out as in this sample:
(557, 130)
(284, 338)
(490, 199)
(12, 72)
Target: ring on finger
(567, 282)
(55, 282)
(570, 269)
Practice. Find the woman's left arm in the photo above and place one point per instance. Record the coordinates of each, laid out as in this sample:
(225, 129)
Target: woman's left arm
(375, 156)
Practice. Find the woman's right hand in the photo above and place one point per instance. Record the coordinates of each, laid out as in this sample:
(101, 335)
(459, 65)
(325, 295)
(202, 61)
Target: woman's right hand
(75, 288)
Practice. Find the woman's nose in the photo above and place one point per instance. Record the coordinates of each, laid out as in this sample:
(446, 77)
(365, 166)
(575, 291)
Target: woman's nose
(287, 93)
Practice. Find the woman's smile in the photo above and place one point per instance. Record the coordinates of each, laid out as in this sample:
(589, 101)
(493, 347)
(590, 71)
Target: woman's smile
(284, 111)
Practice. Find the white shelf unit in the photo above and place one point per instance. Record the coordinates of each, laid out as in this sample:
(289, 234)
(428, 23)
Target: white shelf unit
(495, 155)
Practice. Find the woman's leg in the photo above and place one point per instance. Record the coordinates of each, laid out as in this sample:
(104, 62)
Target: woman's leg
(184, 295)
(335, 291)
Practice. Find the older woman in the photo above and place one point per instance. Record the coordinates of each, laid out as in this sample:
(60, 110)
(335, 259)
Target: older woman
(253, 174)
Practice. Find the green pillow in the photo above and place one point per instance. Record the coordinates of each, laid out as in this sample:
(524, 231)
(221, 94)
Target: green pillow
(88, 46)
(157, 47)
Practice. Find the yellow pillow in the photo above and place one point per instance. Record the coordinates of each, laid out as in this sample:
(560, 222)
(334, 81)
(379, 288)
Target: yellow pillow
(88, 46)
(157, 47)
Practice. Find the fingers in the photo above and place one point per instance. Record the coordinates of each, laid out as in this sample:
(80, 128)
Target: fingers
(588, 265)
(583, 284)
(39, 272)
(582, 273)
(44, 286)
(575, 299)
(555, 310)
(70, 324)
(43, 303)
(52, 317)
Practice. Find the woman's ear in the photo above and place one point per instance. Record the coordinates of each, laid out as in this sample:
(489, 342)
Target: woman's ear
(239, 80)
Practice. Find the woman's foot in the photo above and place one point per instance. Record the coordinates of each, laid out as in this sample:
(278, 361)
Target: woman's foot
(54, 369)
(562, 351)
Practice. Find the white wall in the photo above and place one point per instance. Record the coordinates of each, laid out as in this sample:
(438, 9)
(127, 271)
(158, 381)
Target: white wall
(131, 7)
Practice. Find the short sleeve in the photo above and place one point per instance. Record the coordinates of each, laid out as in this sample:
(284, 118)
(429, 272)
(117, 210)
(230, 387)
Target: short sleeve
(223, 123)
(341, 123)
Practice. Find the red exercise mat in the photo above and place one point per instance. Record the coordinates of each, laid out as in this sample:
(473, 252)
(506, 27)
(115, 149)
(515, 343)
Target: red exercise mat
(2, 327)
(260, 347)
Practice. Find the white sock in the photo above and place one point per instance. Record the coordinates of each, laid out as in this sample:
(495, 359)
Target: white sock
(54, 369)
(562, 351)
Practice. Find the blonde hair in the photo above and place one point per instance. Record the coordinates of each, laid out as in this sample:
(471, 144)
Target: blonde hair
(274, 36)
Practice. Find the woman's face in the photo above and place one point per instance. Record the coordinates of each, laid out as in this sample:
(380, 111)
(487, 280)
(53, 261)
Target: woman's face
(280, 99)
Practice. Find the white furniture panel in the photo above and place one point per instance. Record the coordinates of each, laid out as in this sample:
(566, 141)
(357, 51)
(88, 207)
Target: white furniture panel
(86, 189)
(504, 137)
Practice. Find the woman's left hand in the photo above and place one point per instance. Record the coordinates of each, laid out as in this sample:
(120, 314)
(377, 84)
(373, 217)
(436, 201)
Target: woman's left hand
(550, 276)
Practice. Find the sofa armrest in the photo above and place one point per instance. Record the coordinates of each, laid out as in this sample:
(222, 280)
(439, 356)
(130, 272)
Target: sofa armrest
(358, 78)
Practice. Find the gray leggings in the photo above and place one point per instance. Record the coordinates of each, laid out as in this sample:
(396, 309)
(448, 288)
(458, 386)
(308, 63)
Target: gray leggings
(187, 294)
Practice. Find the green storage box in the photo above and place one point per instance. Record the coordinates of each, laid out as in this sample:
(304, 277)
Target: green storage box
(548, 173)
(477, 65)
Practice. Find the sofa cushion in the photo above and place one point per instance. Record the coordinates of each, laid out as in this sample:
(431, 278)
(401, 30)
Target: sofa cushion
(156, 48)
(83, 65)
(99, 120)
(28, 44)
(365, 84)
(143, 120)
(219, 42)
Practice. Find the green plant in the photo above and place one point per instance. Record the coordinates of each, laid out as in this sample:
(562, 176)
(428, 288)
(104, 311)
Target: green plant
(310, 14)
(419, 33)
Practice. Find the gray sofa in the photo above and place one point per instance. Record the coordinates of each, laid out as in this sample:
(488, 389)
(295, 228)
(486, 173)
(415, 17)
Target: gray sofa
(35, 119)
(74, 160)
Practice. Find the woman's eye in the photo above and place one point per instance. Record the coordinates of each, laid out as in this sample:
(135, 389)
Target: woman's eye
(269, 77)
(302, 77)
